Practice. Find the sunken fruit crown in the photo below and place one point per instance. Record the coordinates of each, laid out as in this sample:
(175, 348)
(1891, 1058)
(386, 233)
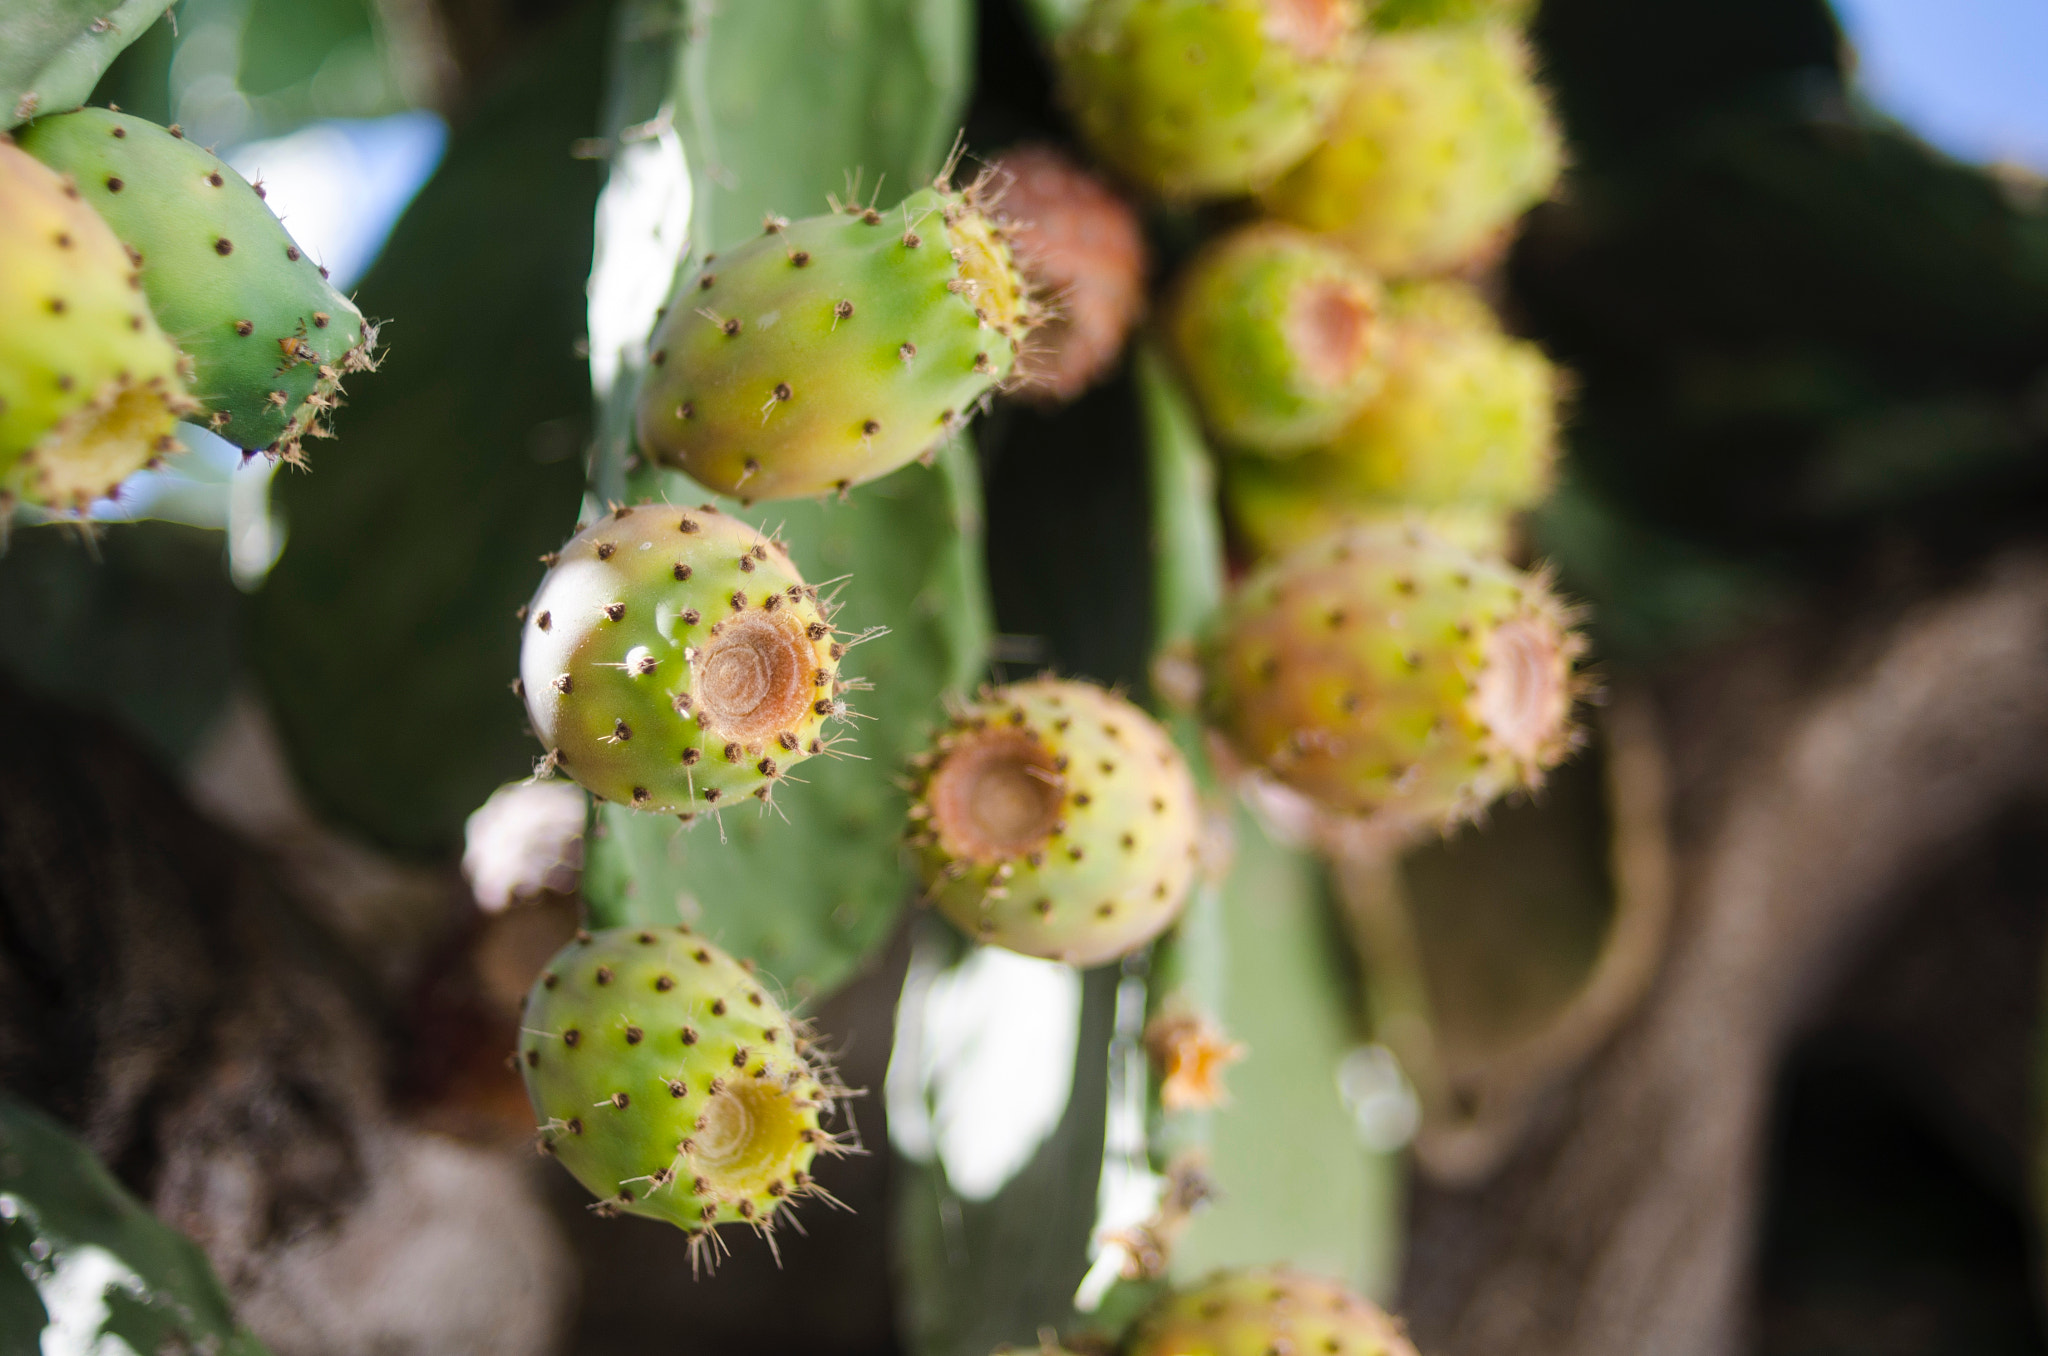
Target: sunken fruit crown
(671, 1083)
(1206, 98)
(1386, 670)
(89, 386)
(1441, 142)
(268, 339)
(832, 350)
(674, 660)
(1056, 819)
(1258, 1311)
(1280, 336)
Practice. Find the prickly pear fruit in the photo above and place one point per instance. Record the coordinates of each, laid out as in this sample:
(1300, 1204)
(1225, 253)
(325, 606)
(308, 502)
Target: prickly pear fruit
(1261, 1310)
(1083, 252)
(1391, 15)
(1206, 98)
(1279, 334)
(671, 1083)
(1387, 670)
(674, 660)
(1464, 427)
(269, 340)
(1056, 819)
(833, 350)
(1441, 142)
(89, 386)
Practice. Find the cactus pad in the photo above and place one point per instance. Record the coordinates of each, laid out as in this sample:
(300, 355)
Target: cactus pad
(89, 386)
(675, 661)
(1280, 336)
(1206, 98)
(1388, 670)
(269, 340)
(1056, 819)
(832, 350)
(1262, 1310)
(1442, 141)
(670, 1083)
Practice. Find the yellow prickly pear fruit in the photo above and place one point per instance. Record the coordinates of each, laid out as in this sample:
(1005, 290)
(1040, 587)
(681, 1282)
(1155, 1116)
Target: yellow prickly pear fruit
(89, 386)
(1258, 1311)
(1441, 141)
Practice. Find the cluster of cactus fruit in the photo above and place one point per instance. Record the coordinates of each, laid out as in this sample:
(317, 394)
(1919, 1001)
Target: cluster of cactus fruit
(147, 283)
(1380, 658)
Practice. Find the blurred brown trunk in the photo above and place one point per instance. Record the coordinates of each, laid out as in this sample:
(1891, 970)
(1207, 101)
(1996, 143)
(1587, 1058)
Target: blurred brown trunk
(1816, 775)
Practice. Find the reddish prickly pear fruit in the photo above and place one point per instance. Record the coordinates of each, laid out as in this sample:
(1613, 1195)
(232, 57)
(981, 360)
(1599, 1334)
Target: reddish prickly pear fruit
(1257, 1311)
(269, 340)
(1464, 428)
(1206, 98)
(1279, 334)
(832, 350)
(1442, 141)
(1056, 819)
(671, 1083)
(1083, 252)
(1386, 670)
(674, 660)
(89, 386)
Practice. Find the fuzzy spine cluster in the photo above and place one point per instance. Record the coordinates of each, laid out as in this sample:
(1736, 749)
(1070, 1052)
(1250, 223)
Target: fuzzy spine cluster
(1206, 98)
(267, 338)
(832, 350)
(671, 1084)
(1280, 336)
(1258, 1311)
(674, 660)
(89, 386)
(1463, 429)
(1442, 139)
(1056, 819)
(1388, 671)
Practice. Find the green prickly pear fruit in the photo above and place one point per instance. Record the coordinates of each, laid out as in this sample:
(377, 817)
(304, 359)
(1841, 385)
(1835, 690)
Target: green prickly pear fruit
(675, 661)
(1257, 1311)
(1391, 15)
(1081, 248)
(671, 1084)
(89, 386)
(269, 340)
(1464, 428)
(1441, 142)
(1279, 334)
(832, 350)
(1385, 670)
(1206, 98)
(1056, 819)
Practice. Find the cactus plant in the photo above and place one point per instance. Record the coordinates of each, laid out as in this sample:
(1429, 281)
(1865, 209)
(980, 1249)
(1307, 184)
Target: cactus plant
(1280, 336)
(835, 349)
(675, 661)
(1206, 98)
(1256, 1311)
(1387, 670)
(52, 52)
(1056, 819)
(89, 386)
(268, 338)
(1442, 139)
(672, 1084)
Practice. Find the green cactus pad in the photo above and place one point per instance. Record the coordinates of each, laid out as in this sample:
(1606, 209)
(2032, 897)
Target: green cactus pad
(1206, 98)
(1262, 1310)
(1279, 334)
(671, 1083)
(1442, 141)
(1464, 429)
(1056, 819)
(89, 386)
(269, 340)
(1387, 671)
(675, 661)
(833, 350)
